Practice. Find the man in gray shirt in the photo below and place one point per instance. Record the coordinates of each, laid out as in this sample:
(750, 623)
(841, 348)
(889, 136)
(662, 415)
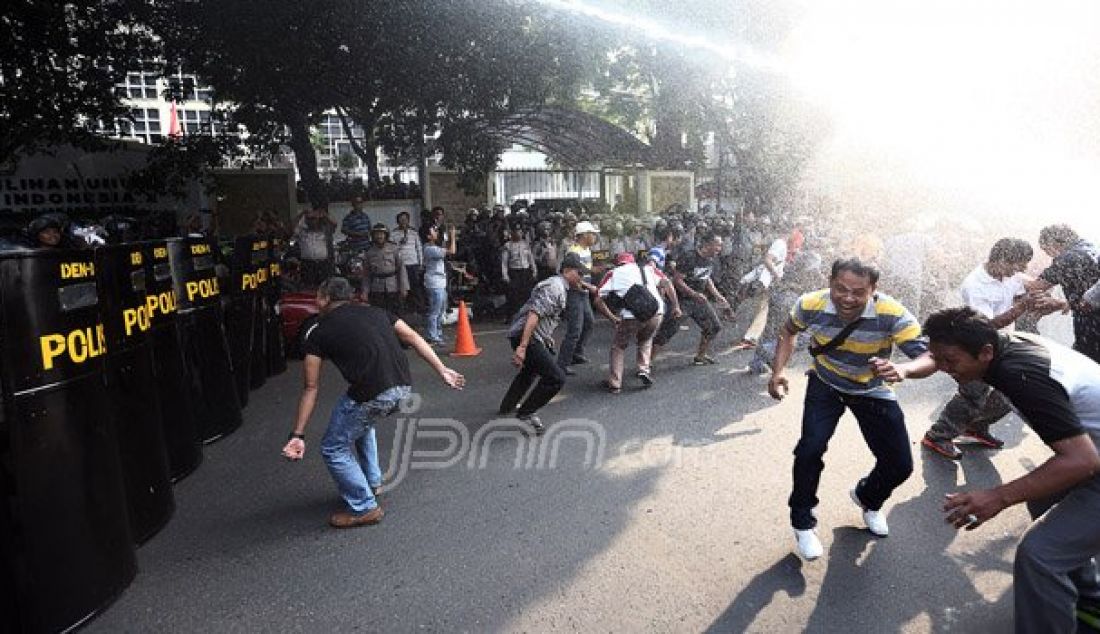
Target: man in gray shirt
(532, 337)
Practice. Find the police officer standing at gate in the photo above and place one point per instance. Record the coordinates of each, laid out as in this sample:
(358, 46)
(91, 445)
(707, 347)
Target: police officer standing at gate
(387, 279)
(517, 268)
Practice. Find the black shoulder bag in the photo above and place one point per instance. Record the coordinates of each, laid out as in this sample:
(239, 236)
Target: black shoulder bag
(639, 301)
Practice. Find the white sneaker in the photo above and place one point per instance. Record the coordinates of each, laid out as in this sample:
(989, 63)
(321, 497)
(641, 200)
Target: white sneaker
(809, 546)
(875, 520)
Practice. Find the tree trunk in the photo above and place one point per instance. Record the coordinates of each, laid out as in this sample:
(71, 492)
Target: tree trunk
(305, 157)
(669, 109)
(367, 151)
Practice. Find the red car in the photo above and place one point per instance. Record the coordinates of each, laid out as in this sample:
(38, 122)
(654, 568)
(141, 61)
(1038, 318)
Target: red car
(297, 310)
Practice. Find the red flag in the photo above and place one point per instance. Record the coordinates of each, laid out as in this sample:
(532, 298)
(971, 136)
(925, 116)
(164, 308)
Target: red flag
(174, 129)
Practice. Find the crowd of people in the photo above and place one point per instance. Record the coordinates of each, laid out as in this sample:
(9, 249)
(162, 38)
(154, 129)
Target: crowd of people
(764, 279)
(685, 267)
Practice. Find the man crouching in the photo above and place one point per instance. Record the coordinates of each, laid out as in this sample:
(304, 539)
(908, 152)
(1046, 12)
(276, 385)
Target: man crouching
(365, 344)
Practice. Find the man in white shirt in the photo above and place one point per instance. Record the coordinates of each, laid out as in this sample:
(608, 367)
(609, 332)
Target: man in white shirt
(410, 252)
(619, 281)
(754, 285)
(995, 290)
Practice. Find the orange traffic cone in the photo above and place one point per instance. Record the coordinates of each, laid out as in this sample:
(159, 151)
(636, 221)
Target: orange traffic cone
(464, 338)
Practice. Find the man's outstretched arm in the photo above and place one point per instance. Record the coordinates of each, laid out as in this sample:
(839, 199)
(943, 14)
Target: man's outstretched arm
(416, 342)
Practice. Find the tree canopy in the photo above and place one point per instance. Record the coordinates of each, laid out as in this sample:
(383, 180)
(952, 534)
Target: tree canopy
(61, 65)
(412, 78)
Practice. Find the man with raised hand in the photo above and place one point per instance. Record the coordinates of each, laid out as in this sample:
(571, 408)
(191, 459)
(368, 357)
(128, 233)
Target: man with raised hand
(365, 344)
(854, 330)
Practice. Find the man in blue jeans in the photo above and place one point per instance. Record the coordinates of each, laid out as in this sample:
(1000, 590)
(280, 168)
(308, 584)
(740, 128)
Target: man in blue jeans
(435, 282)
(365, 344)
(854, 330)
(578, 311)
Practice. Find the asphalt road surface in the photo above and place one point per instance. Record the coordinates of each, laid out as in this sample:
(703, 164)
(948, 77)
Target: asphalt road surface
(653, 510)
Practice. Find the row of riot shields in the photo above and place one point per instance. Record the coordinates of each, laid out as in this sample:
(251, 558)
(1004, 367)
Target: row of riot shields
(118, 364)
(251, 313)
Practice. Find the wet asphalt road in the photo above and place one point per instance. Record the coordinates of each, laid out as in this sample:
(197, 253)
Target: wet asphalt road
(658, 510)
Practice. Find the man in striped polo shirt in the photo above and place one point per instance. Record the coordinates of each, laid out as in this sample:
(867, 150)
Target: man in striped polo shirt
(854, 330)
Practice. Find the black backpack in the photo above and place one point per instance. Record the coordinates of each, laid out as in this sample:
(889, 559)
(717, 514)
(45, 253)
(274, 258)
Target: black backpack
(637, 299)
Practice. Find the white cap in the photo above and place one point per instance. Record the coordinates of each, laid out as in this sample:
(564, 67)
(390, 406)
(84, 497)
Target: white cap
(585, 227)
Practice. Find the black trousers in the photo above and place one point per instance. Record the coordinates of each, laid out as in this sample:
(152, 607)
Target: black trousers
(578, 325)
(416, 300)
(313, 272)
(520, 283)
(883, 426)
(389, 301)
(539, 365)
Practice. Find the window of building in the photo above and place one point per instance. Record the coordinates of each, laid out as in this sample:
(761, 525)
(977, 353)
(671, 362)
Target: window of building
(188, 87)
(140, 86)
(197, 122)
(143, 125)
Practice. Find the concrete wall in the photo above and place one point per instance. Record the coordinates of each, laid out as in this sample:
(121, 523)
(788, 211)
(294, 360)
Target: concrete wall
(239, 195)
(444, 191)
(83, 185)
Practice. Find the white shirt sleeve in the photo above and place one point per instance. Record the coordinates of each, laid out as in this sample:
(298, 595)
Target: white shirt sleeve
(981, 301)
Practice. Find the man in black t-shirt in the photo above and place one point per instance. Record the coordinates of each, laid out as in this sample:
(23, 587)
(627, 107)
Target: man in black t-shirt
(1075, 268)
(364, 342)
(1057, 393)
(692, 273)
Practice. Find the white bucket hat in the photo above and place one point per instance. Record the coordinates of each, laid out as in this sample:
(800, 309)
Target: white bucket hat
(585, 227)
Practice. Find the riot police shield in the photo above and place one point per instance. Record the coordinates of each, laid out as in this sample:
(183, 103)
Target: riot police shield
(241, 313)
(258, 277)
(68, 550)
(202, 338)
(177, 413)
(276, 346)
(131, 387)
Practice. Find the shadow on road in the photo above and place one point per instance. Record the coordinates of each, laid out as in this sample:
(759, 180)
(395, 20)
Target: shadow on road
(784, 576)
(855, 594)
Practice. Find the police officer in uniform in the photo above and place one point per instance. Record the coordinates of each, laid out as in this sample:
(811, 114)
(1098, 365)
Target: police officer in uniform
(545, 251)
(386, 278)
(517, 268)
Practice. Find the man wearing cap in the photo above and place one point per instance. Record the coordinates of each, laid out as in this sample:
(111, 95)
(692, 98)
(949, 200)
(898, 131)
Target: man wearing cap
(578, 313)
(626, 274)
(387, 279)
(532, 338)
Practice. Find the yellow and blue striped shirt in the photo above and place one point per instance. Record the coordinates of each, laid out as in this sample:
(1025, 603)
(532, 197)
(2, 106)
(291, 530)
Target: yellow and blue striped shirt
(885, 323)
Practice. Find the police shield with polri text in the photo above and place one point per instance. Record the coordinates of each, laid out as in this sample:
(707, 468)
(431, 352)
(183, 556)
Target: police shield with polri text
(177, 413)
(241, 314)
(202, 338)
(131, 386)
(276, 346)
(67, 549)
